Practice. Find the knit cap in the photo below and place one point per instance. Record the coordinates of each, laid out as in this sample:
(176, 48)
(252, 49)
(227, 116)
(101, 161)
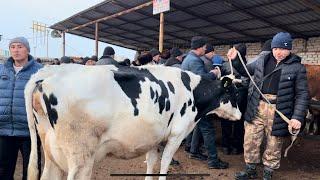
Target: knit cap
(282, 40)
(21, 40)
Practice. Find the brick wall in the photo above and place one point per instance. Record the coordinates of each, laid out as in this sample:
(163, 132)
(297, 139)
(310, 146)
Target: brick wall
(309, 50)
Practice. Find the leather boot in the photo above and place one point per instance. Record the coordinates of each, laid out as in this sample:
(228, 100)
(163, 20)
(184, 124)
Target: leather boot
(249, 173)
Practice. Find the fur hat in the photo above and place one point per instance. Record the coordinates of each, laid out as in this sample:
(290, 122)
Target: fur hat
(145, 58)
(108, 51)
(282, 40)
(198, 41)
(65, 59)
(209, 48)
(175, 52)
(21, 40)
(94, 58)
(154, 52)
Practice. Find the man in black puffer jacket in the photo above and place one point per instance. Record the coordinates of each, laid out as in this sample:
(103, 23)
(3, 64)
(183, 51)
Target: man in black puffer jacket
(282, 79)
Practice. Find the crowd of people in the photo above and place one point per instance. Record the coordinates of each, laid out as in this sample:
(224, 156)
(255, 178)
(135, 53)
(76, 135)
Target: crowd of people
(277, 72)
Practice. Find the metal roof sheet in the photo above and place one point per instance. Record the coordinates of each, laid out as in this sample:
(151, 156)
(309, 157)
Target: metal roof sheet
(223, 22)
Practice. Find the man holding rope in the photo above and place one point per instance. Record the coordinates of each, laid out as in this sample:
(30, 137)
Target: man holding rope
(282, 80)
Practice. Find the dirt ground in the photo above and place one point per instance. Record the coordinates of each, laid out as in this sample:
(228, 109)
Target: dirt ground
(303, 163)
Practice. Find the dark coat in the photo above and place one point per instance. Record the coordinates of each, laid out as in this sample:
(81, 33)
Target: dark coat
(207, 63)
(292, 95)
(172, 61)
(107, 60)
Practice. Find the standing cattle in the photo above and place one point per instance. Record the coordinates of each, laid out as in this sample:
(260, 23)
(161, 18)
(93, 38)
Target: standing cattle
(83, 113)
(313, 117)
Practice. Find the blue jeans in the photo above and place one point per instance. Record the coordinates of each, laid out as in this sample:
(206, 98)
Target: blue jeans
(206, 129)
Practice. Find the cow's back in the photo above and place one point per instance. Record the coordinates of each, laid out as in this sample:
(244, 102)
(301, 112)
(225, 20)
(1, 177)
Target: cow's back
(97, 91)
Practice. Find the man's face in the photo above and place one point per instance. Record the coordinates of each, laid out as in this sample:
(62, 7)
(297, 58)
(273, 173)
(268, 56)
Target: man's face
(156, 58)
(280, 53)
(18, 52)
(203, 50)
(90, 62)
(179, 58)
(209, 55)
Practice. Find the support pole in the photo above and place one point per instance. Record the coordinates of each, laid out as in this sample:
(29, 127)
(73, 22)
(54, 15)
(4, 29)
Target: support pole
(63, 44)
(161, 32)
(47, 43)
(97, 38)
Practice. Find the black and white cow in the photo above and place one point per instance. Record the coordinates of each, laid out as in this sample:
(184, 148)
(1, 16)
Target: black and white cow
(83, 113)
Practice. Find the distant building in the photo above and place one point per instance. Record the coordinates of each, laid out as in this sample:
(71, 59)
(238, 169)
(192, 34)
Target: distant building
(4, 54)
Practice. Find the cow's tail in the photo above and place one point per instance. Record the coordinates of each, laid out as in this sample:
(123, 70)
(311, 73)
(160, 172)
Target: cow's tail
(33, 172)
(33, 167)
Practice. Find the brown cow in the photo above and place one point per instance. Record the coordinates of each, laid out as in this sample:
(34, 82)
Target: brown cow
(313, 72)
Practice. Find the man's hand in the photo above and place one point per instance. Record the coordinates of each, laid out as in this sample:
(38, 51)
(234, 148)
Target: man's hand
(232, 53)
(216, 71)
(295, 124)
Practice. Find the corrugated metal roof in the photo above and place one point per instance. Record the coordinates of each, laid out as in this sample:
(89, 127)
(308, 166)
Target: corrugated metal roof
(222, 21)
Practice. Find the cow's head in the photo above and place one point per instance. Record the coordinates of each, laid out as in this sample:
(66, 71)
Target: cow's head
(227, 106)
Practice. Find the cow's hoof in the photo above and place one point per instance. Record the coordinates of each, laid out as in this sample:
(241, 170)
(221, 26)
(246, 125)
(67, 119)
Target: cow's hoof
(174, 163)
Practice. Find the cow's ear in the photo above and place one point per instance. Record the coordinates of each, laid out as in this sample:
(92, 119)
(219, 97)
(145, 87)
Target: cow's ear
(226, 82)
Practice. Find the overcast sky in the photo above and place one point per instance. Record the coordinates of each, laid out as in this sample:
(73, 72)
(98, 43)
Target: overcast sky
(17, 16)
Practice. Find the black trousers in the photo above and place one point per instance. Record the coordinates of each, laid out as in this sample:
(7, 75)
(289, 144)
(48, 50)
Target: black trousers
(9, 148)
(232, 134)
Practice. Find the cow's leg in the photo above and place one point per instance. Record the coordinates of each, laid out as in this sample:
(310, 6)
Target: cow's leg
(171, 147)
(307, 127)
(80, 171)
(51, 171)
(315, 124)
(151, 157)
(179, 130)
(308, 123)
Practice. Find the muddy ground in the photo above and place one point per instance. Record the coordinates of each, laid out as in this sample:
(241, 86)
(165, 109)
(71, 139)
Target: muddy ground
(303, 163)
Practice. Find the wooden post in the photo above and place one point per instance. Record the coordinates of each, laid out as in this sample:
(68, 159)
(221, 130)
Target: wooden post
(161, 32)
(97, 38)
(63, 44)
